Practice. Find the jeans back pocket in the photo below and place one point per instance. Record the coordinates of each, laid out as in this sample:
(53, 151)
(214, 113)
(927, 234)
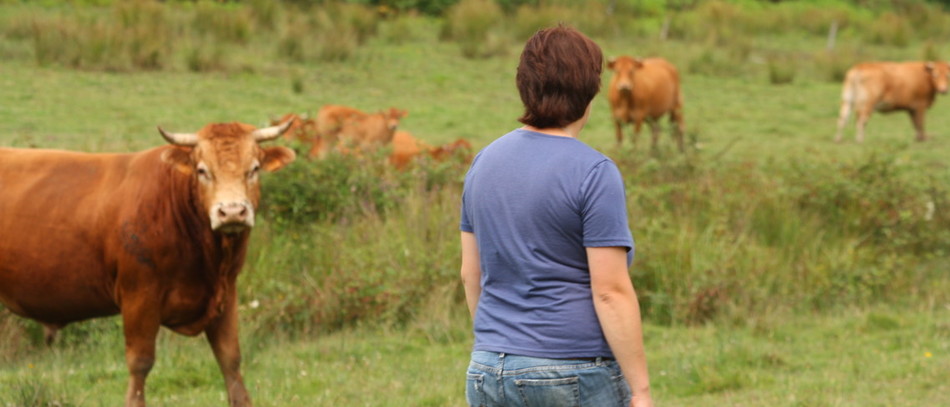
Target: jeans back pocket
(475, 390)
(559, 392)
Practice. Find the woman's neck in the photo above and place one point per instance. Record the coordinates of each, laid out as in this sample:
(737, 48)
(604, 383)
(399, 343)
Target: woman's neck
(551, 131)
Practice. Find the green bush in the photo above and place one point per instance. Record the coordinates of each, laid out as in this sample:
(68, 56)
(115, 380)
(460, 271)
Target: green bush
(889, 29)
(476, 25)
(224, 24)
(834, 65)
(782, 70)
(136, 36)
(730, 238)
(337, 187)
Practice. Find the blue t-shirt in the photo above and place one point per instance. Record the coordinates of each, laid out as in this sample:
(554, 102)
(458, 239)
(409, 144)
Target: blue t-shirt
(535, 202)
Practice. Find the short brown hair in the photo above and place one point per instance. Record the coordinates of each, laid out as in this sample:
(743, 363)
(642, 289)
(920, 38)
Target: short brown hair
(558, 76)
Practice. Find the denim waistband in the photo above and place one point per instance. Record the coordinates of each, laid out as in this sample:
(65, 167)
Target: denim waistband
(506, 364)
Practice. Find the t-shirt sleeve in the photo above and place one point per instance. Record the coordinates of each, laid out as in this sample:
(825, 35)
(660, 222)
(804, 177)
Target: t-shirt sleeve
(465, 225)
(604, 208)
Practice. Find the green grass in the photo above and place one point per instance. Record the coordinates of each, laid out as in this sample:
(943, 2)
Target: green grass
(880, 356)
(775, 266)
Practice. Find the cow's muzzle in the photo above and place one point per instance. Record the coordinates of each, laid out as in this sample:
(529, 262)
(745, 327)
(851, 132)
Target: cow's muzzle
(232, 217)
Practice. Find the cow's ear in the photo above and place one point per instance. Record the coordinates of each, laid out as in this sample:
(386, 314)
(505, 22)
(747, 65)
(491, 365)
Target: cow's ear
(180, 158)
(611, 62)
(276, 158)
(638, 63)
(929, 66)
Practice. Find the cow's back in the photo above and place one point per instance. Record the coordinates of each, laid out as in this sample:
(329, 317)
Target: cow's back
(656, 87)
(889, 86)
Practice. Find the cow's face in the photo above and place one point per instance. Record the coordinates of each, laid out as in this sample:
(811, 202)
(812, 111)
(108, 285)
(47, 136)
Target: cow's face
(939, 72)
(226, 161)
(393, 116)
(624, 68)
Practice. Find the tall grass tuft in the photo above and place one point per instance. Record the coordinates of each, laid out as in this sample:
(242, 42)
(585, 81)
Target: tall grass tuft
(528, 20)
(476, 25)
(782, 70)
(223, 23)
(397, 230)
(136, 36)
(930, 52)
(34, 393)
(834, 65)
(817, 235)
(889, 29)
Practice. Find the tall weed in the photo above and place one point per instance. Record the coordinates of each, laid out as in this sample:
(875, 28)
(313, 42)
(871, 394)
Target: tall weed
(477, 26)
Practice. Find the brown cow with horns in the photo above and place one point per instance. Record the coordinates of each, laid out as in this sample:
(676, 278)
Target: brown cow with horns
(158, 236)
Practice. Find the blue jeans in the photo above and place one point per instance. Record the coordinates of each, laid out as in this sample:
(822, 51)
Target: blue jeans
(503, 380)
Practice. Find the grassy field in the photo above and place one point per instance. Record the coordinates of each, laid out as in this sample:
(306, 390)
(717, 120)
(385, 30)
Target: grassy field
(871, 357)
(776, 267)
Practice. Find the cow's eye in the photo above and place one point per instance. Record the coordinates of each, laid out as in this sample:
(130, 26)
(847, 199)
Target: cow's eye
(203, 172)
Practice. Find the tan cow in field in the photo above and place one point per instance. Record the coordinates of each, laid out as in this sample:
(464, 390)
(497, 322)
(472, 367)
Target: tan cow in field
(158, 236)
(304, 130)
(406, 148)
(301, 128)
(891, 86)
(348, 128)
(645, 90)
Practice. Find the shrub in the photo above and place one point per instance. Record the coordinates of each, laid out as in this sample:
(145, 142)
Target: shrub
(810, 233)
(337, 187)
(889, 29)
(136, 36)
(222, 23)
(834, 65)
(476, 26)
(781, 70)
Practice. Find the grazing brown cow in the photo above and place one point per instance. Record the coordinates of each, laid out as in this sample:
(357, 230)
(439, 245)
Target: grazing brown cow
(301, 128)
(891, 86)
(458, 148)
(645, 89)
(304, 130)
(349, 128)
(157, 236)
(406, 148)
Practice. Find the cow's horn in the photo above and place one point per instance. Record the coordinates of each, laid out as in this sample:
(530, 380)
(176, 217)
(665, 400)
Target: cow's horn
(272, 132)
(179, 139)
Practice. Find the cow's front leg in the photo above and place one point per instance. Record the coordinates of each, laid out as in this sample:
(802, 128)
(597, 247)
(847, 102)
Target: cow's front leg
(618, 127)
(141, 323)
(222, 334)
(655, 131)
(917, 116)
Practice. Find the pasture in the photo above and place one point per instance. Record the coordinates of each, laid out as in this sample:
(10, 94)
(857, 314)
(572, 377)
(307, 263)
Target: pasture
(775, 267)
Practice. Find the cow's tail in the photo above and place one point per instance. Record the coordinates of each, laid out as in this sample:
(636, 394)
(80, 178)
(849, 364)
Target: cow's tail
(850, 94)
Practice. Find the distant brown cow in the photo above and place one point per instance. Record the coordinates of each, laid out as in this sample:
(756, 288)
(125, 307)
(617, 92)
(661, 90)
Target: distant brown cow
(304, 130)
(158, 236)
(406, 148)
(645, 90)
(350, 128)
(301, 128)
(888, 87)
